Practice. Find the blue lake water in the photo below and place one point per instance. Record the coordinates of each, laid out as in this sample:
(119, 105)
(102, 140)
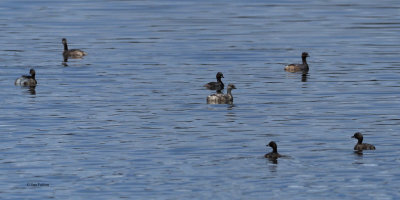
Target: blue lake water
(130, 120)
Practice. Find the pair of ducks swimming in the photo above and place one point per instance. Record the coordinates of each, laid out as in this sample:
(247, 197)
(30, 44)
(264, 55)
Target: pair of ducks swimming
(30, 80)
(220, 98)
(359, 147)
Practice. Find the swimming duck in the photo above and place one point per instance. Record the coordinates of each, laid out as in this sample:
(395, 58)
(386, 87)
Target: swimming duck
(219, 98)
(274, 154)
(216, 85)
(73, 53)
(26, 80)
(299, 67)
(361, 146)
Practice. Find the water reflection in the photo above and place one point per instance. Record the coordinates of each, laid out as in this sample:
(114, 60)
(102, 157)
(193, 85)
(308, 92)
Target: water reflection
(358, 157)
(274, 167)
(64, 63)
(304, 76)
(230, 117)
(29, 89)
(32, 90)
(358, 153)
(231, 106)
(273, 160)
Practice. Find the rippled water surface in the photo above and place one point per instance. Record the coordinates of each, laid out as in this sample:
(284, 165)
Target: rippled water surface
(130, 120)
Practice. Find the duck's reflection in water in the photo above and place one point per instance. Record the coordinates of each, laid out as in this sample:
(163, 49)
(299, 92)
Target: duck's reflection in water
(304, 77)
(32, 90)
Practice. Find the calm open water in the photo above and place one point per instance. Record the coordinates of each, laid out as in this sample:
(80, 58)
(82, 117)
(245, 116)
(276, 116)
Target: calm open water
(130, 120)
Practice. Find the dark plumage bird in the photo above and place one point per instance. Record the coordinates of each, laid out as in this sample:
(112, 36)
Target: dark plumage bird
(219, 98)
(361, 146)
(27, 80)
(274, 154)
(72, 53)
(219, 85)
(299, 67)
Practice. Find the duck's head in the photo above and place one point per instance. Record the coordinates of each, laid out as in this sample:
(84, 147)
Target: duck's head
(357, 135)
(272, 144)
(231, 86)
(219, 75)
(32, 72)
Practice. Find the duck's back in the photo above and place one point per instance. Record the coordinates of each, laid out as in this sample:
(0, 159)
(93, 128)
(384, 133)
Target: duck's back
(296, 67)
(216, 98)
(74, 53)
(219, 98)
(214, 86)
(25, 81)
(364, 146)
(272, 155)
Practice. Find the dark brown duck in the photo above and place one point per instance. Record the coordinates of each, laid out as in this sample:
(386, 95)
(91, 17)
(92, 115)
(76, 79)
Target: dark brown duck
(72, 53)
(299, 67)
(361, 146)
(274, 154)
(219, 85)
(26, 80)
